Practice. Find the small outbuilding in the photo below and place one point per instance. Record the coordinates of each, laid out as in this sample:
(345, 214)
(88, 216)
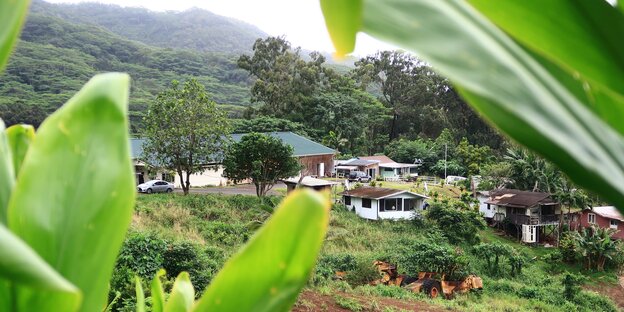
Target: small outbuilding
(308, 182)
(376, 203)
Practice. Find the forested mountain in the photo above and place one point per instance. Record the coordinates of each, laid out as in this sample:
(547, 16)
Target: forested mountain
(55, 58)
(194, 29)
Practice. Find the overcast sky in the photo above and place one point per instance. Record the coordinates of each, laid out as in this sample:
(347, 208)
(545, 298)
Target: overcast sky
(301, 21)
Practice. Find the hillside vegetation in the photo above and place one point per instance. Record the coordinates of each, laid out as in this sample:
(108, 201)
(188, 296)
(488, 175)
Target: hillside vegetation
(199, 232)
(194, 29)
(55, 57)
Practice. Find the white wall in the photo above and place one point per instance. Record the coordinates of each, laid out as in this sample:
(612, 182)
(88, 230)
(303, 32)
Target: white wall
(208, 177)
(366, 213)
(373, 213)
(483, 207)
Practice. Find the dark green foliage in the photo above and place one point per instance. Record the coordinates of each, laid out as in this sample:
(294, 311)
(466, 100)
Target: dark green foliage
(330, 104)
(422, 103)
(430, 256)
(185, 256)
(457, 222)
(267, 124)
(142, 253)
(595, 246)
(571, 285)
(261, 158)
(493, 253)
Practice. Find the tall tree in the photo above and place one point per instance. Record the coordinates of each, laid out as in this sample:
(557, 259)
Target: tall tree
(185, 131)
(263, 159)
(284, 82)
(391, 74)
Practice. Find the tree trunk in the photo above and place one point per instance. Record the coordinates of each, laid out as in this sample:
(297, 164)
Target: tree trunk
(188, 183)
(258, 193)
(393, 134)
(181, 175)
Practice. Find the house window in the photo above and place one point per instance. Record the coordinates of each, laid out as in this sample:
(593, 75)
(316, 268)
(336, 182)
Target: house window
(366, 203)
(388, 169)
(391, 204)
(613, 224)
(591, 218)
(409, 204)
(347, 200)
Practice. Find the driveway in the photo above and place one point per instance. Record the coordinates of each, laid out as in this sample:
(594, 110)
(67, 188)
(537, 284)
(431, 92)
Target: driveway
(242, 189)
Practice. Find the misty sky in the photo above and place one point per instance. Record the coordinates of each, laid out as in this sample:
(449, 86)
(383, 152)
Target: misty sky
(301, 21)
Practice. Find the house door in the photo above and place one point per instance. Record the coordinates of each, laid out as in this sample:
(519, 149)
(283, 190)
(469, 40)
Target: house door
(371, 172)
(321, 169)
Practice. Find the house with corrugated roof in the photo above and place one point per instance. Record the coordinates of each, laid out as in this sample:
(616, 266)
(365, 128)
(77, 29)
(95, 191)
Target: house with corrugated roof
(603, 217)
(375, 203)
(379, 165)
(532, 213)
(316, 159)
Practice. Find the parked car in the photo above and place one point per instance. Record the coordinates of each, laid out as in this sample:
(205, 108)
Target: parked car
(155, 186)
(359, 176)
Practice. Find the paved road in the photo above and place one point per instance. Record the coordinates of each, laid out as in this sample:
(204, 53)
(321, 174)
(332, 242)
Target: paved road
(243, 189)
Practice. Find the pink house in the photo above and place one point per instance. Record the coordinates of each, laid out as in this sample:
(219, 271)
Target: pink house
(603, 217)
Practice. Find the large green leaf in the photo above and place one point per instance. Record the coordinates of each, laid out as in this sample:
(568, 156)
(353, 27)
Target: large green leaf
(19, 137)
(270, 270)
(507, 86)
(182, 295)
(140, 295)
(20, 265)
(345, 17)
(590, 51)
(7, 176)
(158, 294)
(73, 201)
(12, 14)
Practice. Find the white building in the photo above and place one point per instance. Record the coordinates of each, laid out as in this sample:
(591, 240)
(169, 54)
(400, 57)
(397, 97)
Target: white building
(376, 203)
(485, 209)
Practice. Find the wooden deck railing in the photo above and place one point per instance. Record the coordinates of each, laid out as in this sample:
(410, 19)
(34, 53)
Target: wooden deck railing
(524, 219)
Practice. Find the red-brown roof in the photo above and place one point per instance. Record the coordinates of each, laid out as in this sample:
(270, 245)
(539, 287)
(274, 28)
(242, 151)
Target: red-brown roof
(383, 159)
(376, 192)
(518, 198)
(608, 212)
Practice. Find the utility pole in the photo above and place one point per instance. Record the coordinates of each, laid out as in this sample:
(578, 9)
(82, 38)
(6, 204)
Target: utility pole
(445, 154)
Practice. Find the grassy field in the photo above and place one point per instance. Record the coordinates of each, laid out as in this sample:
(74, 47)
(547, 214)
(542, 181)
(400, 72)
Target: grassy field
(218, 225)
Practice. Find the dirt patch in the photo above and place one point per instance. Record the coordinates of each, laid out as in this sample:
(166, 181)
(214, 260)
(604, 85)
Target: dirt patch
(313, 301)
(615, 292)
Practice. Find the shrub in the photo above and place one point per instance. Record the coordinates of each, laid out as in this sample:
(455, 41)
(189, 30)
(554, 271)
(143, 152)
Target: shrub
(185, 256)
(493, 253)
(433, 257)
(363, 273)
(571, 285)
(594, 302)
(458, 225)
(141, 255)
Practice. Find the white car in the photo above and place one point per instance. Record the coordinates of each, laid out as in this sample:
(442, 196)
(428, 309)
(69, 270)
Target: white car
(155, 186)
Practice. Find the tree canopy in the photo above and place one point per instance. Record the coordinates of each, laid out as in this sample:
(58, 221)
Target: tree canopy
(185, 131)
(261, 158)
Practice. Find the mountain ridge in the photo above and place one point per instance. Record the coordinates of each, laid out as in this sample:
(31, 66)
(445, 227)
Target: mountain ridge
(195, 28)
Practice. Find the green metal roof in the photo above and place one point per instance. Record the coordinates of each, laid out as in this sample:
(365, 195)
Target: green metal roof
(301, 146)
